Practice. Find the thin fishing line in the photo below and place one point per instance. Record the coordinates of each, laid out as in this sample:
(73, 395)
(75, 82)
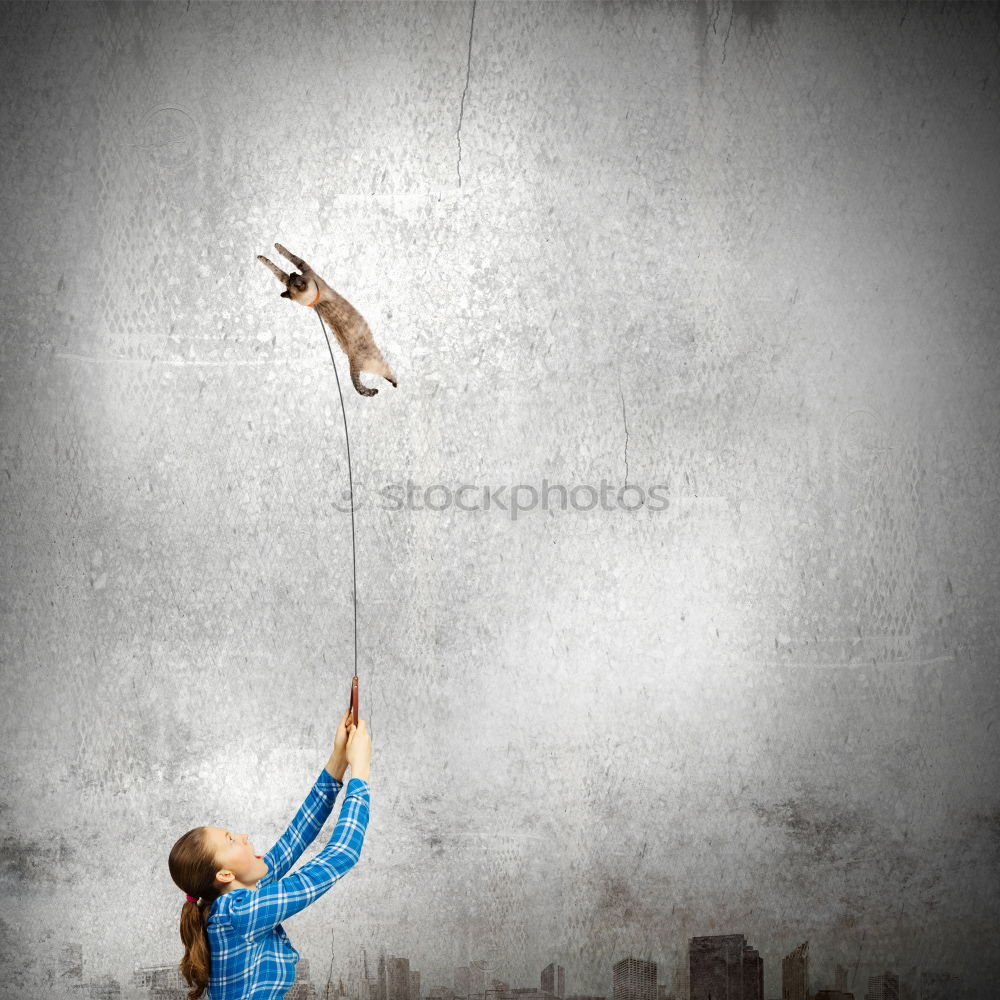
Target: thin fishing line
(350, 479)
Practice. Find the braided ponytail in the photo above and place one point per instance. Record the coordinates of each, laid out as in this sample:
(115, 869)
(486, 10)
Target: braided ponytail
(192, 867)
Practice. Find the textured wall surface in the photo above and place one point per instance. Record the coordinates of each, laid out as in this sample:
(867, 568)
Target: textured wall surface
(741, 259)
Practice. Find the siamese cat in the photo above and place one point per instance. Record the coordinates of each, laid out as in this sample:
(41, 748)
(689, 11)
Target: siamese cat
(347, 324)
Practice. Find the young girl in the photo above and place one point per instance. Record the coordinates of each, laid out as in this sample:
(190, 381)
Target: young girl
(231, 921)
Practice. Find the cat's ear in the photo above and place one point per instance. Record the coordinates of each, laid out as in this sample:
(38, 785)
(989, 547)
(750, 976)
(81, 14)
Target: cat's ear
(285, 294)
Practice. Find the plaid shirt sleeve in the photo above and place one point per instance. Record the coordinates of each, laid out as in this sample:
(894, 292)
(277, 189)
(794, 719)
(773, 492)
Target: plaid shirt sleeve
(256, 912)
(304, 828)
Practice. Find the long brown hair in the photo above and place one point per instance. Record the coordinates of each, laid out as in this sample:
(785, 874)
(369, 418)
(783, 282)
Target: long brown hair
(193, 868)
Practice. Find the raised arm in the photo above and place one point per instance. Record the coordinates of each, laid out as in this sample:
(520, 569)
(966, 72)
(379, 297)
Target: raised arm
(303, 829)
(313, 813)
(255, 912)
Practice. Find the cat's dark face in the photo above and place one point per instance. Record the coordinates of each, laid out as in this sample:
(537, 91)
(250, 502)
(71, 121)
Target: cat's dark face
(300, 289)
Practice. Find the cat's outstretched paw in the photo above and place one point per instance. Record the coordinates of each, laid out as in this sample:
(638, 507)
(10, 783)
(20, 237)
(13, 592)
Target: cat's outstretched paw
(274, 269)
(297, 261)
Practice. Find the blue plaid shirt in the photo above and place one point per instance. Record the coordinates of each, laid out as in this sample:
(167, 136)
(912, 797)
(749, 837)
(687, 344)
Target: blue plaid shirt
(251, 956)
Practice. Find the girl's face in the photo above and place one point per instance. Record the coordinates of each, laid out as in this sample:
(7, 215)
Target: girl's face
(238, 866)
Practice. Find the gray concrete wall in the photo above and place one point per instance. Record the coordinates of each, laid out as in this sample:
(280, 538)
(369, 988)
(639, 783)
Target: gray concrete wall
(747, 254)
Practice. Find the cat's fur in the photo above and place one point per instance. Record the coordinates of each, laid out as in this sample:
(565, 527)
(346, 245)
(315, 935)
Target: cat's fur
(347, 324)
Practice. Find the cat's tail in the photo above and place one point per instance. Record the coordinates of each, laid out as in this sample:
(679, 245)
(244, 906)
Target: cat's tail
(377, 366)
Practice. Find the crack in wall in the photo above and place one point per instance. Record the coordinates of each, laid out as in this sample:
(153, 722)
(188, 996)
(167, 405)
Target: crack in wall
(716, 9)
(625, 422)
(729, 26)
(461, 110)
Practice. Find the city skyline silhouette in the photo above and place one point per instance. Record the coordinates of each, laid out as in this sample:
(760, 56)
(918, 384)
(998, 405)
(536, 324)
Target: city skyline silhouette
(715, 967)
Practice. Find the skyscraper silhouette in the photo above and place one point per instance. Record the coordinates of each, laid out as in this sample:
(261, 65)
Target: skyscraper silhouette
(479, 977)
(302, 988)
(795, 974)
(840, 977)
(381, 983)
(884, 987)
(634, 979)
(725, 967)
(160, 982)
(497, 989)
(398, 979)
(680, 982)
(367, 987)
(102, 988)
(554, 980)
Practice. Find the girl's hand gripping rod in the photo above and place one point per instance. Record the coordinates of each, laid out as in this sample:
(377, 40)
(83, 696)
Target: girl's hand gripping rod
(354, 700)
